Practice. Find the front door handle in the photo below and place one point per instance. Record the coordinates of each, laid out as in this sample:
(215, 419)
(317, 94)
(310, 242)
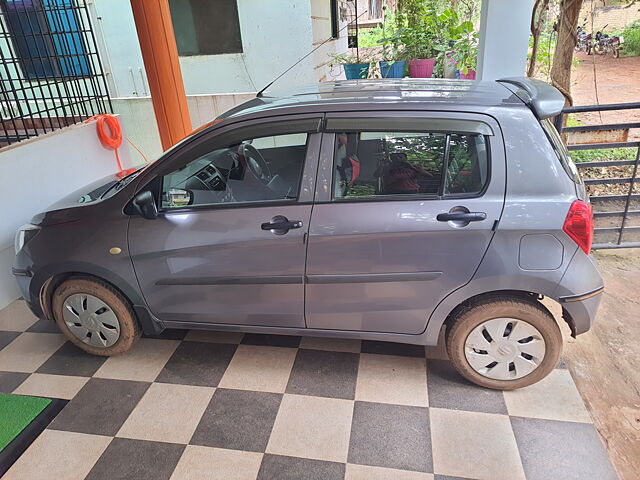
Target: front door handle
(279, 225)
(461, 217)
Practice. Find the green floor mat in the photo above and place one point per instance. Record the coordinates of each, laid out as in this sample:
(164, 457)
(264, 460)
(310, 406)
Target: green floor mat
(16, 413)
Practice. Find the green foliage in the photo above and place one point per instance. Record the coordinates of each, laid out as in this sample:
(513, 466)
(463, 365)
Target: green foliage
(631, 45)
(580, 156)
(338, 59)
(422, 29)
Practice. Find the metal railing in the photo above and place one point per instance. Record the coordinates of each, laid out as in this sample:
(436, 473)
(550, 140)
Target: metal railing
(616, 214)
(50, 70)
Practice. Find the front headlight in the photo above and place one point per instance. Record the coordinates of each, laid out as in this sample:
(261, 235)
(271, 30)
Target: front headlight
(24, 234)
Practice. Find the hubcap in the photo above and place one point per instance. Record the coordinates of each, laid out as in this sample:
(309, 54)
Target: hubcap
(504, 348)
(91, 320)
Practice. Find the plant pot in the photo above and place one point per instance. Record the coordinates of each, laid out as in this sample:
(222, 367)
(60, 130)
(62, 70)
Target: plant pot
(392, 69)
(421, 68)
(355, 71)
(470, 75)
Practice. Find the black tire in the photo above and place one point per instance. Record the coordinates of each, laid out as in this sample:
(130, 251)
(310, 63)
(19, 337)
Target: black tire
(130, 330)
(518, 307)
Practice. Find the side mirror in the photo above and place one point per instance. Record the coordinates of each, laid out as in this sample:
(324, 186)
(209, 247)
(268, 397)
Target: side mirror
(145, 205)
(176, 197)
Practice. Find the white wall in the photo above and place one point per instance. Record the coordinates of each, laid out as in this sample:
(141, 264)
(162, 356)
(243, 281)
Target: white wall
(36, 173)
(321, 29)
(275, 34)
(136, 114)
(504, 38)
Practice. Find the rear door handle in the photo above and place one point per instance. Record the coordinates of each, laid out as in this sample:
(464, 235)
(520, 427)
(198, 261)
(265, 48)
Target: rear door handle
(279, 225)
(461, 217)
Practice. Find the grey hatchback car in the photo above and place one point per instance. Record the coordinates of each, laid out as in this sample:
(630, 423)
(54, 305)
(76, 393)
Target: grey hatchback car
(379, 210)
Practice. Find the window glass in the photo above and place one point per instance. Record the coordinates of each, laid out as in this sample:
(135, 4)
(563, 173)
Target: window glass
(370, 164)
(206, 27)
(467, 165)
(561, 151)
(47, 38)
(255, 170)
(374, 163)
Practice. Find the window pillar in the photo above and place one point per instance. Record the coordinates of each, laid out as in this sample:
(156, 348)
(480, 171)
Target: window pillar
(160, 55)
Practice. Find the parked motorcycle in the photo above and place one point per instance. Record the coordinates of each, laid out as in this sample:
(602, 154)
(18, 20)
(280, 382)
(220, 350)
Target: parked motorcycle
(605, 44)
(585, 40)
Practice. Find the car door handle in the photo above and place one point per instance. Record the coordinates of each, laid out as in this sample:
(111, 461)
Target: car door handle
(461, 217)
(280, 225)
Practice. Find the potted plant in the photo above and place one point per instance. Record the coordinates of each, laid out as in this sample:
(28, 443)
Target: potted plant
(355, 66)
(392, 64)
(418, 35)
(466, 55)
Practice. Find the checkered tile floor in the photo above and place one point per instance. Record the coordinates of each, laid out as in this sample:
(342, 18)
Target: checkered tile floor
(231, 406)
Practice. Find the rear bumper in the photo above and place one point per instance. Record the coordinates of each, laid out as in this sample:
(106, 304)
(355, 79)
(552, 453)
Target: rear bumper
(579, 311)
(580, 292)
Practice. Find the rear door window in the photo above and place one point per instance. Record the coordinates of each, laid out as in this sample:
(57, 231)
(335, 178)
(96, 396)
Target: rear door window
(409, 164)
(561, 151)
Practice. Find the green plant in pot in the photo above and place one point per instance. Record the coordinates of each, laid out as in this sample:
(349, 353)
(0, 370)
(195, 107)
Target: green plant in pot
(457, 46)
(355, 66)
(392, 63)
(419, 35)
(466, 55)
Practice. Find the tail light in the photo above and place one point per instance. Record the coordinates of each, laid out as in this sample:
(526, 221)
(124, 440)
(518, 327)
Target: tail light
(579, 224)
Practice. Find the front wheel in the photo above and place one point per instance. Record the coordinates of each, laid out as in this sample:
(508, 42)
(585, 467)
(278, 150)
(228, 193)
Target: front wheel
(504, 342)
(95, 316)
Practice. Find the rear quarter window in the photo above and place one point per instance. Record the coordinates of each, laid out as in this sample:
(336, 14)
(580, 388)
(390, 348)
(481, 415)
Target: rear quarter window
(561, 150)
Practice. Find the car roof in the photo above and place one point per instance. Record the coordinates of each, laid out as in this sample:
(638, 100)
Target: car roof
(382, 93)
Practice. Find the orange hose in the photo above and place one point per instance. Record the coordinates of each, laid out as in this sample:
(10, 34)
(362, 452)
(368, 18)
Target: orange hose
(109, 133)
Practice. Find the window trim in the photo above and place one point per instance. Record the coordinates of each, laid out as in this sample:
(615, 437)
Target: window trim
(410, 196)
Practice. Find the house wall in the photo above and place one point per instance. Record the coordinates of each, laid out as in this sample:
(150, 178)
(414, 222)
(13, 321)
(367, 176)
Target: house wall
(38, 172)
(138, 118)
(275, 34)
(321, 30)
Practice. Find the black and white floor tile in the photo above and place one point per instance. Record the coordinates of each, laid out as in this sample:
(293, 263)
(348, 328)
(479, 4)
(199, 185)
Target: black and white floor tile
(216, 405)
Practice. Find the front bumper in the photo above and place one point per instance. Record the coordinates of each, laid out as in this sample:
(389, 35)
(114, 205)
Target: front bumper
(24, 285)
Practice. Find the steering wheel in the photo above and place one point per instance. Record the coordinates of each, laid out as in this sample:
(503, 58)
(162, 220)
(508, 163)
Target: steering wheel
(256, 163)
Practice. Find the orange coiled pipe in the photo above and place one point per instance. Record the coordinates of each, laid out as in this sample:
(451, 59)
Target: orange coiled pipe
(110, 135)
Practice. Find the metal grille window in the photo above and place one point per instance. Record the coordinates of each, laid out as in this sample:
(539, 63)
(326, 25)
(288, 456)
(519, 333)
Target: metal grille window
(47, 38)
(50, 70)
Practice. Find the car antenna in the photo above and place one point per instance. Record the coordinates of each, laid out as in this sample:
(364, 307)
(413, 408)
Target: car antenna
(259, 94)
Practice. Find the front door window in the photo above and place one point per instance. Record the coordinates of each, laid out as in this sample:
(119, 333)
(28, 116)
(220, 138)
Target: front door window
(266, 169)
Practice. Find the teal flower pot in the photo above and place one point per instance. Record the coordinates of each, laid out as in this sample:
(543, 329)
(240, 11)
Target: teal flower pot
(355, 71)
(392, 69)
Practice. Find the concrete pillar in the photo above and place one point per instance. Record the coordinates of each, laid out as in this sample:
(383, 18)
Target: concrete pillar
(160, 55)
(504, 38)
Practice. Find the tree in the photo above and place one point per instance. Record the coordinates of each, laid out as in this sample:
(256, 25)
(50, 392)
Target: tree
(537, 24)
(567, 39)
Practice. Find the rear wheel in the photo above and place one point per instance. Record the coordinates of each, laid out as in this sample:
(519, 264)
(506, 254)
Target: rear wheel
(504, 342)
(95, 316)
